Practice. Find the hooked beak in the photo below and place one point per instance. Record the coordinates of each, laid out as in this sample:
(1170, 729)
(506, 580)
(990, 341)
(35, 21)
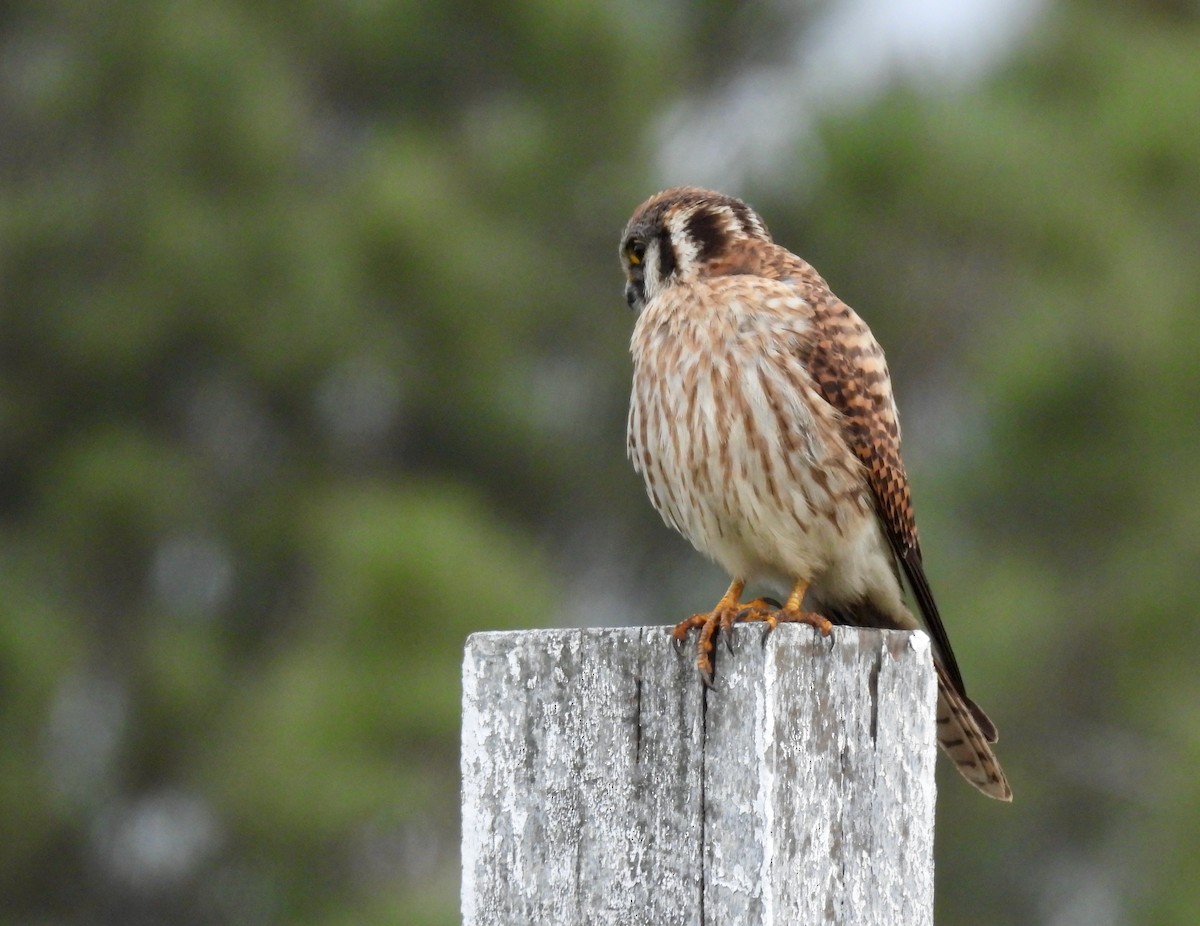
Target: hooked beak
(633, 296)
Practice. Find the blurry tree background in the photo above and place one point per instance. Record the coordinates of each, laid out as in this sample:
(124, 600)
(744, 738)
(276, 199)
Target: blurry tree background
(313, 361)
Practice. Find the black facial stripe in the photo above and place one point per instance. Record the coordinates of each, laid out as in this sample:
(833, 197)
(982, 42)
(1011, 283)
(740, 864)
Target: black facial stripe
(666, 256)
(635, 292)
(744, 216)
(707, 230)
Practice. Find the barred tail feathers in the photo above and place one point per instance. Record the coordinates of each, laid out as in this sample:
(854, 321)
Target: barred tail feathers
(964, 732)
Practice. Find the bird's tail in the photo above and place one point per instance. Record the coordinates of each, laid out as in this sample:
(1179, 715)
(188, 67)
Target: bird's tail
(965, 733)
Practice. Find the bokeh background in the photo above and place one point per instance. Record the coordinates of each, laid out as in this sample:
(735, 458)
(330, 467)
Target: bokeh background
(313, 361)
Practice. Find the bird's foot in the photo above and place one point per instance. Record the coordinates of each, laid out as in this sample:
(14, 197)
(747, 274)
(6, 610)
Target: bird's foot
(708, 623)
(717, 622)
(788, 614)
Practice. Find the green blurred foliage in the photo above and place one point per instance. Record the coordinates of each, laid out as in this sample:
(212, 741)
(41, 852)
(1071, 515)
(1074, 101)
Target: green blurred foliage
(314, 362)
(272, 277)
(1044, 230)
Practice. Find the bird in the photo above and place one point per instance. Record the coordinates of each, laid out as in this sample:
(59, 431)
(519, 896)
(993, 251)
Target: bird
(763, 422)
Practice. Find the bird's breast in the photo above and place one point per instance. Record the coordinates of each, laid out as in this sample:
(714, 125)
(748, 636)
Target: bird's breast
(739, 452)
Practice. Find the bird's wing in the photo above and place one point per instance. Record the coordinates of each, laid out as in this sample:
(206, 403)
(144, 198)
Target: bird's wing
(850, 372)
(849, 369)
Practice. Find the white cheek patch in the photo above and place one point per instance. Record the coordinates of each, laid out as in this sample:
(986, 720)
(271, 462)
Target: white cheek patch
(651, 265)
(687, 252)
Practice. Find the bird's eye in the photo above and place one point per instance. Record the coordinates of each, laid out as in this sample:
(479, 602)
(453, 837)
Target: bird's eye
(636, 251)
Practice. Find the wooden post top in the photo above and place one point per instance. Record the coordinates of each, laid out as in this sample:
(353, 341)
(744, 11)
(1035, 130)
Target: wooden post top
(603, 784)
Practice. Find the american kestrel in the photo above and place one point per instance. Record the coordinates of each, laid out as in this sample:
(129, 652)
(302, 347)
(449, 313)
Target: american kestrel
(763, 421)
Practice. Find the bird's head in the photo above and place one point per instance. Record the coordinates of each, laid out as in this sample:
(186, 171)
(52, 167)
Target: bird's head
(676, 235)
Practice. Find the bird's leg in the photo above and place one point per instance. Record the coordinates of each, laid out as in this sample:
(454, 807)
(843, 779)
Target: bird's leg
(791, 612)
(722, 617)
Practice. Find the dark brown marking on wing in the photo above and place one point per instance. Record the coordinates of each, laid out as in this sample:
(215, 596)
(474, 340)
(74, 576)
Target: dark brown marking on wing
(848, 369)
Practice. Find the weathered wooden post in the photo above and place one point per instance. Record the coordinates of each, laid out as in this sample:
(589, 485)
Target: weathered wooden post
(603, 785)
